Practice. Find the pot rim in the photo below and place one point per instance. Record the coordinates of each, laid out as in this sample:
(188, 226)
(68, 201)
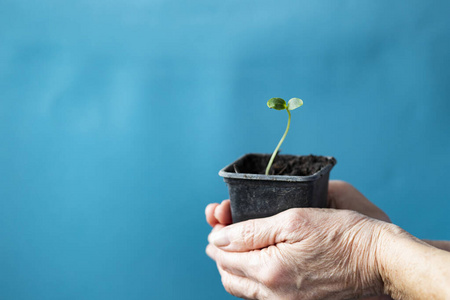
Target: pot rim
(285, 178)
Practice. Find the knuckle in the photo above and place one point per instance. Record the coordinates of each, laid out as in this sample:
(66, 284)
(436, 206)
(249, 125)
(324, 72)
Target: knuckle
(248, 233)
(294, 219)
(293, 213)
(269, 278)
(255, 294)
(272, 274)
(353, 216)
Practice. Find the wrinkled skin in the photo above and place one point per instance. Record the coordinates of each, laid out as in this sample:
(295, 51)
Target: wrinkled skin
(301, 253)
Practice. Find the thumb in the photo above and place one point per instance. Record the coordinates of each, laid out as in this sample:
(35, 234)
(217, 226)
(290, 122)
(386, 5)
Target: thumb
(253, 234)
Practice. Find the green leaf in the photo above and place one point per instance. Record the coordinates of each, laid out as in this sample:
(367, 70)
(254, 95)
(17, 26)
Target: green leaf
(294, 103)
(276, 103)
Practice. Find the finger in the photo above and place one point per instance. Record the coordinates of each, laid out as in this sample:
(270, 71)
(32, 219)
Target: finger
(216, 228)
(258, 233)
(240, 286)
(209, 252)
(222, 213)
(332, 193)
(244, 264)
(342, 195)
(209, 212)
(381, 297)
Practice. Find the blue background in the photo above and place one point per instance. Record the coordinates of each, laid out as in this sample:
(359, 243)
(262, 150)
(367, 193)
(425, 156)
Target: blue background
(115, 117)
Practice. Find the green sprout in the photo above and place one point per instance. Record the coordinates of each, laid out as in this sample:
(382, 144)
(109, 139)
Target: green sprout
(280, 104)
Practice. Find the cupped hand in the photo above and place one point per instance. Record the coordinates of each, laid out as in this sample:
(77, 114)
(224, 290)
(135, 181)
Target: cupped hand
(302, 253)
(341, 195)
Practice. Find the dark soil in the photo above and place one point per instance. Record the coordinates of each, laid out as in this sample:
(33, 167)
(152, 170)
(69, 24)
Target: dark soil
(283, 164)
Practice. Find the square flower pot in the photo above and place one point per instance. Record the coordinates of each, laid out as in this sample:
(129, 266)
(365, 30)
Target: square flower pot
(258, 195)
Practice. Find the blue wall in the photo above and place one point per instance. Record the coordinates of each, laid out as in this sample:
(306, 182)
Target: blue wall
(115, 117)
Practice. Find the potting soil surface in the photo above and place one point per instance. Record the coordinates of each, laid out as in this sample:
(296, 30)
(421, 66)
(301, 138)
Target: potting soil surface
(284, 164)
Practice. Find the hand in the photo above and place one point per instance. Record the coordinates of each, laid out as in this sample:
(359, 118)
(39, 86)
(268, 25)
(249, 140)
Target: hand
(341, 195)
(303, 253)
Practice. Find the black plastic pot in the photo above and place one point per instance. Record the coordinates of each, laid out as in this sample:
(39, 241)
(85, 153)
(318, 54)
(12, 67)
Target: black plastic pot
(258, 196)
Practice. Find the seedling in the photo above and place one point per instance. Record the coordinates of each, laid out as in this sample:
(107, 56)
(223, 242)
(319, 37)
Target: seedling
(280, 104)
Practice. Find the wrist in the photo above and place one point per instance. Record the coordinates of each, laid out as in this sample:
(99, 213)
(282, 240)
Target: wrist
(367, 237)
(410, 268)
(443, 245)
(388, 248)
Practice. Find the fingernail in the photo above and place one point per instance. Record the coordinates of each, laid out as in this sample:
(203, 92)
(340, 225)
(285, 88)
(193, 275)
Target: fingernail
(220, 238)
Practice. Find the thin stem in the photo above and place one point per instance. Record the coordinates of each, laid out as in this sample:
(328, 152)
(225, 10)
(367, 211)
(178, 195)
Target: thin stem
(279, 144)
